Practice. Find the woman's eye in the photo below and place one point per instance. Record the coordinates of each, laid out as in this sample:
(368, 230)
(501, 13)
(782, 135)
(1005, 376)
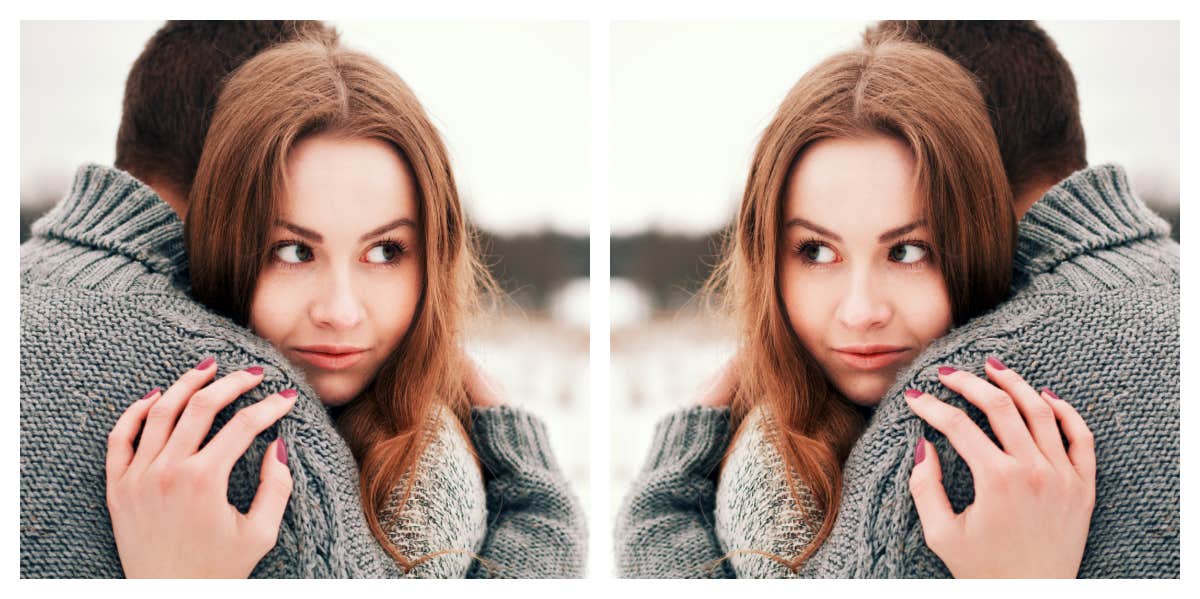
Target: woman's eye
(907, 253)
(384, 253)
(817, 253)
(293, 253)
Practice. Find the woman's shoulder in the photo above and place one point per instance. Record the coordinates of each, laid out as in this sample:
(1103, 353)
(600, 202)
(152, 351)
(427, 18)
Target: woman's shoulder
(757, 512)
(445, 514)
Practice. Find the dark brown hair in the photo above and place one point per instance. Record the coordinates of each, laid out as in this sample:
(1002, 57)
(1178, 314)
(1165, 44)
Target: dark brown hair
(172, 88)
(268, 106)
(1027, 85)
(922, 98)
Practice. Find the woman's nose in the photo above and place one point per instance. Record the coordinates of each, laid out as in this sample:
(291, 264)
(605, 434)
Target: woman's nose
(865, 304)
(337, 305)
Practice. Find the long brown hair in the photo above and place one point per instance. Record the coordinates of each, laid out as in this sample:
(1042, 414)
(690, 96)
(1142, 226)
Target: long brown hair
(926, 100)
(270, 104)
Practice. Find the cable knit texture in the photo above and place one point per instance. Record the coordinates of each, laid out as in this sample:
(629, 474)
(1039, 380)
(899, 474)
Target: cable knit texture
(538, 529)
(106, 316)
(1094, 316)
(445, 516)
(664, 528)
(758, 519)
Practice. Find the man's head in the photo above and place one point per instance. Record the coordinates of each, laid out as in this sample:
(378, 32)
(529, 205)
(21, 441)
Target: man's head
(172, 89)
(1029, 90)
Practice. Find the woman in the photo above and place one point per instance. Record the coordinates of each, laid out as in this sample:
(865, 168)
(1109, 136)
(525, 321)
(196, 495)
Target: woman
(876, 216)
(324, 217)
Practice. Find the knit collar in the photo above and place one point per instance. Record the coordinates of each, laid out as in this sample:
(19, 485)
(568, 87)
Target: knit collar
(110, 210)
(1091, 210)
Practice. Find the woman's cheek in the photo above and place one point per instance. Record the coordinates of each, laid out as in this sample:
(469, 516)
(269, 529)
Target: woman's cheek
(275, 304)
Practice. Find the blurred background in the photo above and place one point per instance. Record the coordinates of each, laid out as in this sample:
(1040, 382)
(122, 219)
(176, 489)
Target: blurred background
(512, 102)
(688, 102)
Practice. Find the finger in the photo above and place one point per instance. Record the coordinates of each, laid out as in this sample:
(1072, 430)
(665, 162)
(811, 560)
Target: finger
(1037, 413)
(235, 437)
(202, 408)
(968, 439)
(996, 403)
(165, 411)
(274, 489)
(1083, 445)
(120, 439)
(933, 506)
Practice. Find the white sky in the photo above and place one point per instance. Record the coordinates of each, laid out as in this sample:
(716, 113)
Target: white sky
(690, 99)
(687, 102)
(511, 100)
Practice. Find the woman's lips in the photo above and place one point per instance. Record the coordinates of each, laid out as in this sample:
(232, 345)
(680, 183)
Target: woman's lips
(870, 357)
(330, 358)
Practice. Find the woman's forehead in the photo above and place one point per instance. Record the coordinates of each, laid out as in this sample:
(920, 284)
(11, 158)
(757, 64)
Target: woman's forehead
(854, 186)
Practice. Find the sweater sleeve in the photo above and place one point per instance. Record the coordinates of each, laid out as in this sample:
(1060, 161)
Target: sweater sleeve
(665, 526)
(535, 523)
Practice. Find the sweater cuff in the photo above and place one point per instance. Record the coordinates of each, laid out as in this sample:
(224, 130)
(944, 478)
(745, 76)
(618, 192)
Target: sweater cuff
(693, 439)
(509, 439)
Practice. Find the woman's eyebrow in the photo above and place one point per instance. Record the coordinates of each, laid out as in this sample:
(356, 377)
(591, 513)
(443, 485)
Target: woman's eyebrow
(898, 231)
(800, 222)
(308, 234)
(400, 222)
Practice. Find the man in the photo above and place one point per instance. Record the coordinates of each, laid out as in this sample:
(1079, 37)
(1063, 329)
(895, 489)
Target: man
(1093, 314)
(106, 315)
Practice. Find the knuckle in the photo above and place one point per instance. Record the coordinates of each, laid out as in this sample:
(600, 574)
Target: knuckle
(1038, 479)
(998, 400)
(162, 480)
(161, 410)
(1039, 410)
(246, 422)
(957, 421)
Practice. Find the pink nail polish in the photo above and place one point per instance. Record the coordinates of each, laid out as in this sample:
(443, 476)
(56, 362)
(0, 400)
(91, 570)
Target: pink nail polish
(255, 370)
(945, 370)
(995, 363)
(289, 393)
(919, 451)
(205, 363)
(1047, 391)
(912, 393)
(150, 394)
(281, 451)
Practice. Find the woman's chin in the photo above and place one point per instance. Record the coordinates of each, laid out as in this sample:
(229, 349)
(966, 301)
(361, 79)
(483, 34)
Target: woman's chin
(333, 393)
(865, 395)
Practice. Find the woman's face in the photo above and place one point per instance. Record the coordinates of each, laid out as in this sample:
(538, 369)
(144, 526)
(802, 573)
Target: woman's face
(346, 268)
(856, 269)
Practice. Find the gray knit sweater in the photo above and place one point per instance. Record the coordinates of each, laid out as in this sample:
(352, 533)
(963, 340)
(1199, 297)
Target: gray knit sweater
(1094, 315)
(105, 316)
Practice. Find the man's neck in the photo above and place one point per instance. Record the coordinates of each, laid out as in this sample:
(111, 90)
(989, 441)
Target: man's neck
(1030, 194)
(169, 192)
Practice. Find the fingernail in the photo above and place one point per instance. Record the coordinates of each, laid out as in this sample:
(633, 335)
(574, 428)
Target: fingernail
(913, 393)
(281, 451)
(995, 363)
(944, 370)
(150, 394)
(289, 393)
(205, 363)
(1047, 391)
(255, 370)
(919, 451)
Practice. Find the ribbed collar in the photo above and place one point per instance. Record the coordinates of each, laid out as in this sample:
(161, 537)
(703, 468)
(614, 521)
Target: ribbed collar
(1091, 210)
(110, 210)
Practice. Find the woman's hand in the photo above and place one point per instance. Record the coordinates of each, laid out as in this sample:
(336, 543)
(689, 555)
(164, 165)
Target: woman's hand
(482, 389)
(167, 499)
(718, 392)
(1033, 499)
